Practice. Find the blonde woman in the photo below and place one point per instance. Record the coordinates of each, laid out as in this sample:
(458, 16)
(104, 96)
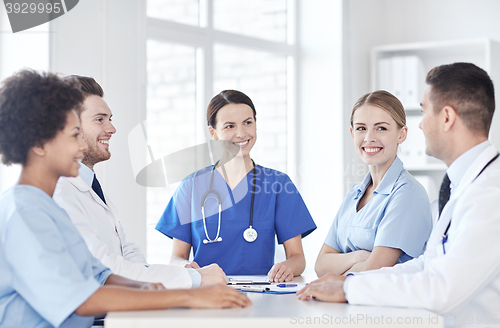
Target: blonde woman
(385, 219)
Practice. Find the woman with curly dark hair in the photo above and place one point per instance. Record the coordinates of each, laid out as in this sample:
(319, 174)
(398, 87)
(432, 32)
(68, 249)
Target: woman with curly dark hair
(47, 275)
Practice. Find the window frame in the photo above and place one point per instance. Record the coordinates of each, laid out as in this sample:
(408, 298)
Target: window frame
(204, 36)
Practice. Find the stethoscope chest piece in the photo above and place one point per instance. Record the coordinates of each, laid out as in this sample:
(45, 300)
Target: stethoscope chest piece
(250, 234)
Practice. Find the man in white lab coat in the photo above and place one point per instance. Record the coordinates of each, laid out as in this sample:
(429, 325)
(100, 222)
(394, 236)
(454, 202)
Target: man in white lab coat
(97, 219)
(458, 276)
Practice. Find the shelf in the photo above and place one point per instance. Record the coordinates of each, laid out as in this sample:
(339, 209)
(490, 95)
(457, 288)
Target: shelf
(483, 52)
(463, 47)
(426, 168)
(413, 111)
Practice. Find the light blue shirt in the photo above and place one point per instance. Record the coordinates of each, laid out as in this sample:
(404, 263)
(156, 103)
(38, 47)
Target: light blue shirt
(46, 270)
(398, 216)
(458, 168)
(87, 176)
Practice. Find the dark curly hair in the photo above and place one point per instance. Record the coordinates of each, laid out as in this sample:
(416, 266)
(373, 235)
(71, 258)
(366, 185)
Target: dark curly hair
(33, 109)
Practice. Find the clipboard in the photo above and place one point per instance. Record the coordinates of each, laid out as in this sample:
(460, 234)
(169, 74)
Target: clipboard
(271, 289)
(248, 280)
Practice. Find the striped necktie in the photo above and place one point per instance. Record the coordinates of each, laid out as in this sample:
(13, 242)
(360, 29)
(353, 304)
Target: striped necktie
(444, 193)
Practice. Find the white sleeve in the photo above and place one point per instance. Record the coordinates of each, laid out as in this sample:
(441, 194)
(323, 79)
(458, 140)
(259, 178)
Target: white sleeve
(132, 263)
(446, 281)
(411, 266)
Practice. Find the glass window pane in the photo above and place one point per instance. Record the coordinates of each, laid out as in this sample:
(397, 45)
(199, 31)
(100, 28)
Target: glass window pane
(263, 77)
(180, 11)
(28, 49)
(266, 19)
(170, 124)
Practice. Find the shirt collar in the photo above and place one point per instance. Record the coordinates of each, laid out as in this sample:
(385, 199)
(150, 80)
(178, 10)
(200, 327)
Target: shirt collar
(86, 174)
(457, 169)
(388, 181)
(390, 177)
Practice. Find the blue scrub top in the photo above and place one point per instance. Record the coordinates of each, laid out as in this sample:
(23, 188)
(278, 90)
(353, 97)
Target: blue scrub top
(398, 216)
(278, 210)
(46, 269)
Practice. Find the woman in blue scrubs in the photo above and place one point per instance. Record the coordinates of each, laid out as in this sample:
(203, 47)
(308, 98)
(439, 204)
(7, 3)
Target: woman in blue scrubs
(385, 219)
(257, 204)
(48, 277)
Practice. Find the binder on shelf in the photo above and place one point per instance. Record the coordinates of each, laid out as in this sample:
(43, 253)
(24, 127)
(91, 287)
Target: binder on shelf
(402, 76)
(384, 81)
(413, 75)
(413, 149)
(398, 78)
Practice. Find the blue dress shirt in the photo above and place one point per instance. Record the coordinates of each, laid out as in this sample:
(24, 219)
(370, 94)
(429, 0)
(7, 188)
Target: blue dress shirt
(458, 168)
(398, 216)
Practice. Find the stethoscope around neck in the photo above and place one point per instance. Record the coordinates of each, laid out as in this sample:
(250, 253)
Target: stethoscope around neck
(250, 234)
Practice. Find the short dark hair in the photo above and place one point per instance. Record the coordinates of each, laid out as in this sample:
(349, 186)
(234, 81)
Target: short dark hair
(33, 109)
(224, 98)
(88, 86)
(468, 89)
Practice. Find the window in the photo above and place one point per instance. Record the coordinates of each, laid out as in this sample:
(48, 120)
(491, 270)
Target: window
(266, 19)
(171, 115)
(180, 11)
(196, 49)
(29, 49)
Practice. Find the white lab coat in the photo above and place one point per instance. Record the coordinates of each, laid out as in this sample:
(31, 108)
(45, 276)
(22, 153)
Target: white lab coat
(100, 228)
(465, 281)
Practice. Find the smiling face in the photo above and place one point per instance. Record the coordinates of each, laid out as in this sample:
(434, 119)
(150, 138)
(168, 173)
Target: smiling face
(65, 150)
(376, 136)
(96, 130)
(236, 125)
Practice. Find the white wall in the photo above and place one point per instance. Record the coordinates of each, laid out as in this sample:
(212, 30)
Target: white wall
(105, 39)
(369, 23)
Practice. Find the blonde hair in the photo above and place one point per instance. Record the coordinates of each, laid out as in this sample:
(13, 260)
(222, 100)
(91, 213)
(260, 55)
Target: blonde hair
(386, 101)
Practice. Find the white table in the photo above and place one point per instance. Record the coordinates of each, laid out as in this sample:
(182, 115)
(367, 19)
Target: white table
(276, 311)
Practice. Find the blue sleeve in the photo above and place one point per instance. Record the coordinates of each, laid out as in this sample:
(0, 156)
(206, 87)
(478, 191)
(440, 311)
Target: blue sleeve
(292, 216)
(331, 238)
(407, 222)
(176, 219)
(101, 272)
(195, 277)
(45, 274)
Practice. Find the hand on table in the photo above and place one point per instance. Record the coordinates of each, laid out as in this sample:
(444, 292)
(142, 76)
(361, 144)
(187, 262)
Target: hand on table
(280, 273)
(192, 265)
(152, 286)
(217, 297)
(212, 274)
(329, 288)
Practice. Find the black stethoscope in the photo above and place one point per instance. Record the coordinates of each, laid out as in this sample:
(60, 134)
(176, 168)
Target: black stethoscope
(444, 239)
(250, 234)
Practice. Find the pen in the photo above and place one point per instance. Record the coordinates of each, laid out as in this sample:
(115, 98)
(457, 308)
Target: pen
(286, 285)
